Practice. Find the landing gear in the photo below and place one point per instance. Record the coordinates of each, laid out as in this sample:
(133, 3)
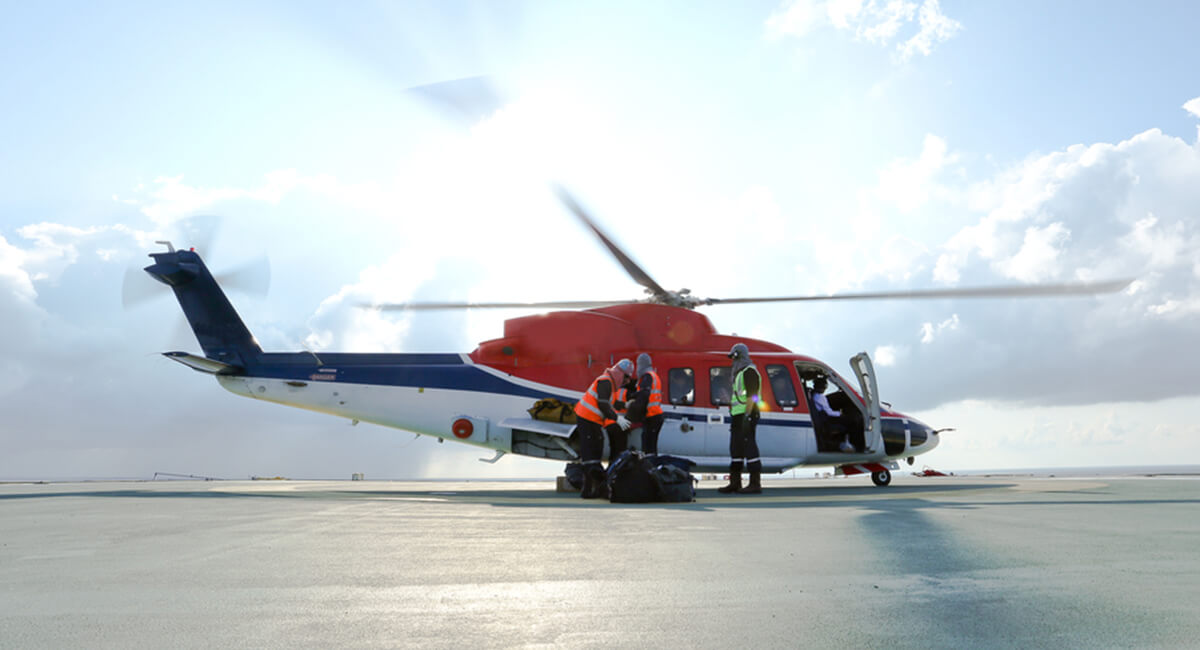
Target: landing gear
(882, 478)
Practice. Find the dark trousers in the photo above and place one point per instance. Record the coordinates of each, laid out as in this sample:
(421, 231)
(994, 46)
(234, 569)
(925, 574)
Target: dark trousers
(742, 442)
(618, 441)
(650, 429)
(837, 430)
(591, 448)
(591, 441)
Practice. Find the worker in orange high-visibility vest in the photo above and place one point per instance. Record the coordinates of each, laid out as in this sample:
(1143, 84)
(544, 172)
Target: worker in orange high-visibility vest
(646, 406)
(593, 412)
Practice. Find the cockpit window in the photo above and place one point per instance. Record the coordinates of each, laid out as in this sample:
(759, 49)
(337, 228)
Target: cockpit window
(681, 386)
(918, 433)
(781, 386)
(720, 386)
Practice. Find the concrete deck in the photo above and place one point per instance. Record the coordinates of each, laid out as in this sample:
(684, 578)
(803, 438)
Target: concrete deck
(927, 562)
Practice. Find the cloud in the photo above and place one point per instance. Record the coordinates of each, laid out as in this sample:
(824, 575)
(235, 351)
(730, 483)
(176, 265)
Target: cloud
(170, 199)
(873, 21)
(880, 22)
(86, 394)
(993, 435)
(795, 18)
(14, 279)
(886, 355)
(842, 12)
(1039, 253)
(1193, 106)
(910, 183)
(936, 28)
(929, 330)
(1085, 213)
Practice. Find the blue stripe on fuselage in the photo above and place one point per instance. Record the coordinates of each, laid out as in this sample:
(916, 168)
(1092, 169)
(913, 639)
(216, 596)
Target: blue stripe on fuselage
(411, 370)
(446, 371)
(700, 418)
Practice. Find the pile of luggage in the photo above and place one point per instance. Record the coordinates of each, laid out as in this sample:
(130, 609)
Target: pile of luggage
(635, 477)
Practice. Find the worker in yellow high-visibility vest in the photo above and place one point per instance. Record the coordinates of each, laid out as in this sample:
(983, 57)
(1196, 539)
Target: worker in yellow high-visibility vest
(743, 407)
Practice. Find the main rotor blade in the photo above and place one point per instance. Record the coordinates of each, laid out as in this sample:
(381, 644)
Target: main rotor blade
(468, 100)
(631, 267)
(431, 306)
(1023, 290)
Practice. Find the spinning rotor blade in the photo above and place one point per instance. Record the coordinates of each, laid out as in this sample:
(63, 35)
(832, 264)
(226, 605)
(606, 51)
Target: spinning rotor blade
(631, 267)
(253, 277)
(198, 232)
(432, 306)
(1024, 290)
(137, 288)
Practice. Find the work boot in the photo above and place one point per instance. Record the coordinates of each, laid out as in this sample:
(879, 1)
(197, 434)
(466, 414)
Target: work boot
(755, 485)
(588, 491)
(595, 484)
(735, 479)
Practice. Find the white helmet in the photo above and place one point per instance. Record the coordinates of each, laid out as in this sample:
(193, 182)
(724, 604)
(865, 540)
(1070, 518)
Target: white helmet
(621, 372)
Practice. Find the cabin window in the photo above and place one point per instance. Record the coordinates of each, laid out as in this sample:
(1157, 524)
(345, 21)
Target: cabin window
(681, 386)
(720, 386)
(781, 386)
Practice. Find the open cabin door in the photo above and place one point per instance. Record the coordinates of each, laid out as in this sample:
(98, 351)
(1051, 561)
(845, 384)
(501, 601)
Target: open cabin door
(861, 363)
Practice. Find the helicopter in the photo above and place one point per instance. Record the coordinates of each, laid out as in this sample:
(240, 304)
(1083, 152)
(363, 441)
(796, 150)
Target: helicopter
(484, 398)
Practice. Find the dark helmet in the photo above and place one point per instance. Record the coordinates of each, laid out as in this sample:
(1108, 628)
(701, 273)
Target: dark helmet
(644, 364)
(739, 352)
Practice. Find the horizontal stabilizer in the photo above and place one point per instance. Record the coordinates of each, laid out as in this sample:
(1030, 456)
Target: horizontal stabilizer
(202, 364)
(556, 429)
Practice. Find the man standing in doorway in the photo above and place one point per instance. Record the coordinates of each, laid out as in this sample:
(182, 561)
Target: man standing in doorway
(743, 447)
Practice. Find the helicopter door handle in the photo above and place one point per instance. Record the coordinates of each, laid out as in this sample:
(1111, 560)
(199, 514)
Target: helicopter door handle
(716, 418)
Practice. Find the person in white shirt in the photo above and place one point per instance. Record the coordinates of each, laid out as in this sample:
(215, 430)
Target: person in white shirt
(821, 403)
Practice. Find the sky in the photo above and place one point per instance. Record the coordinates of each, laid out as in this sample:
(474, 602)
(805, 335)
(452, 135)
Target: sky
(736, 149)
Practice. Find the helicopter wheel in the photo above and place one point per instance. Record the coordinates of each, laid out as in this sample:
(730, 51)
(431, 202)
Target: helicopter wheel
(881, 478)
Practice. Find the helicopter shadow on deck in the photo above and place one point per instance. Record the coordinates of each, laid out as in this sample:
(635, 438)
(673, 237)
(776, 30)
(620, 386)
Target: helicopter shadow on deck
(973, 594)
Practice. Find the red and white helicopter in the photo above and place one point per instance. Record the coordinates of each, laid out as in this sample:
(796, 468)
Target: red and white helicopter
(483, 398)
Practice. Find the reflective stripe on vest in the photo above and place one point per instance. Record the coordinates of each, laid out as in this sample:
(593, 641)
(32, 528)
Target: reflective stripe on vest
(739, 392)
(621, 395)
(654, 406)
(588, 406)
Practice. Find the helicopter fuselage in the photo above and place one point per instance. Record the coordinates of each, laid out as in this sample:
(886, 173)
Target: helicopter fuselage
(483, 398)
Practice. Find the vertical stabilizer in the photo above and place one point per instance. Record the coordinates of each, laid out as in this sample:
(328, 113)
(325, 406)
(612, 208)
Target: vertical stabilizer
(221, 333)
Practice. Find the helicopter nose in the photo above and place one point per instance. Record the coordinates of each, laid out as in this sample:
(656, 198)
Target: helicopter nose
(922, 437)
(932, 441)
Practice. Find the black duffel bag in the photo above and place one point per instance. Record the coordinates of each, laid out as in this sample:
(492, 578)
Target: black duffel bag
(630, 479)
